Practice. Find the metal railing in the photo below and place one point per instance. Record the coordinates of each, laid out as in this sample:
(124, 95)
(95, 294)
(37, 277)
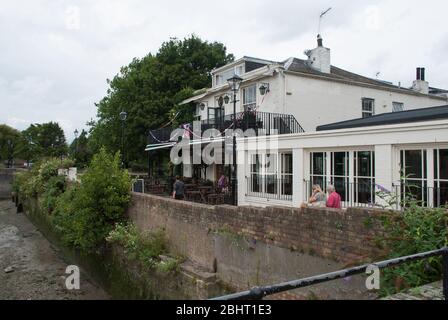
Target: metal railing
(269, 187)
(263, 123)
(258, 293)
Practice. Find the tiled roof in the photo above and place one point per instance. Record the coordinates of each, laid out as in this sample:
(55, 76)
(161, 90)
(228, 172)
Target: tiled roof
(299, 65)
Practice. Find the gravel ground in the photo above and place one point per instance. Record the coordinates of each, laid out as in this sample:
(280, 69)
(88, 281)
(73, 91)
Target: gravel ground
(30, 267)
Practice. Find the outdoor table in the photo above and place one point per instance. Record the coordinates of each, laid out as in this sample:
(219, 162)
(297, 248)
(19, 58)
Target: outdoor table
(215, 198)
(193, 196)
(205, 190)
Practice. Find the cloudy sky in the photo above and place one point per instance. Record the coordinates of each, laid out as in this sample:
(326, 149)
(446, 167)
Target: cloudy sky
(55, 56)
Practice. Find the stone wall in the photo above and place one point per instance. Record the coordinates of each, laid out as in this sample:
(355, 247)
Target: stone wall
(248, 246)
(6, 177)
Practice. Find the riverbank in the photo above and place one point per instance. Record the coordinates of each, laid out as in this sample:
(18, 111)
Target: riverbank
(31, 268)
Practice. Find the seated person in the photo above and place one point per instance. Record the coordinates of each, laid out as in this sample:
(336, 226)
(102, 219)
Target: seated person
(318, 197)
(334, 199)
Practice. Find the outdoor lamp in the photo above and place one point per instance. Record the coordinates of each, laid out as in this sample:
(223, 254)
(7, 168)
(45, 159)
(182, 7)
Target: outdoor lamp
(123, 115)
(76, 133)
(235, 83)
(226, 99)
(264, 88)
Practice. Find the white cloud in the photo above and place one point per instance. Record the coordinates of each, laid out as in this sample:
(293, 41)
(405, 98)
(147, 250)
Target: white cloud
(56, 55)
(73, 18)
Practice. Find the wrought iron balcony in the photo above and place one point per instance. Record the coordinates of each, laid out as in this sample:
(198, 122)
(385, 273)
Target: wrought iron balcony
(263, 123)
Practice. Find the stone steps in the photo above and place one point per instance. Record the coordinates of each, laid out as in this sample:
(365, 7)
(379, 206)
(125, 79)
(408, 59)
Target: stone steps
(431, 291)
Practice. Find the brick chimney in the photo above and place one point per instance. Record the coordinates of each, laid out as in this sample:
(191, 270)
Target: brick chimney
(319, 58)
(420, 84)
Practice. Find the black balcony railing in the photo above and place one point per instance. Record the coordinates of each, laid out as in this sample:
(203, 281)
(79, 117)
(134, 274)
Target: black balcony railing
(262, 123)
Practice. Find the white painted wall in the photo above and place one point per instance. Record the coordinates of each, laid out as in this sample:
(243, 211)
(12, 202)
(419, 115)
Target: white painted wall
(386, 141)
(315, 102)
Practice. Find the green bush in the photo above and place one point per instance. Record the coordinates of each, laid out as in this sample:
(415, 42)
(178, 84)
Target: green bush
(54, 188)
(412, 231)
(36, 181)
(145, 247)
(86, 213)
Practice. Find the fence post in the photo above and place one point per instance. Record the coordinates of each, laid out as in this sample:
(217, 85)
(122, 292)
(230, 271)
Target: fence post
(445, 273)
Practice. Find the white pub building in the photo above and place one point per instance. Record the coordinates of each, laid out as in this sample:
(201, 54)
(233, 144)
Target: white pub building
(330, 126)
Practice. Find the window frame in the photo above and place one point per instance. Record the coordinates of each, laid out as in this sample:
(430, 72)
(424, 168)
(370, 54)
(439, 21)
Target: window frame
(421, 181)
(267, 182)
(253, 104)
(438, 180)
(349, 196)
(367, 113)
(395, 104)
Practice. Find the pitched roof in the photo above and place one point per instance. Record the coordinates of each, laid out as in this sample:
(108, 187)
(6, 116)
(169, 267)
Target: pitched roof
(302, 66)
(423, 114)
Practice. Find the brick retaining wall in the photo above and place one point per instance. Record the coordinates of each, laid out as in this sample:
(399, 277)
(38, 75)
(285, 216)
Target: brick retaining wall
(344, 236)
(251, 246)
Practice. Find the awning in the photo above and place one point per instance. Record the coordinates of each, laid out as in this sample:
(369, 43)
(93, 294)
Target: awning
(152, 147)
(194, 98)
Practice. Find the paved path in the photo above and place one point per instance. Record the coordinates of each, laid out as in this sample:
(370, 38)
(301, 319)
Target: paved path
(30, 267)
(428, 292)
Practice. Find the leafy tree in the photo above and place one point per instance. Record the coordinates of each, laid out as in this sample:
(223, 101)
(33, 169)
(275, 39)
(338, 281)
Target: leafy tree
(150, 89)
(79, 150)
(43, 140)
(9, 141)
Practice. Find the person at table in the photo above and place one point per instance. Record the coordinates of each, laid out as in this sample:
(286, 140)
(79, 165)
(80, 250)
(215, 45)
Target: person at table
(178, 189)
(223, 184)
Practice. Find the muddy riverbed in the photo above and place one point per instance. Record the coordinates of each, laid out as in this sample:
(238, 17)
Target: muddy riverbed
(31, 267)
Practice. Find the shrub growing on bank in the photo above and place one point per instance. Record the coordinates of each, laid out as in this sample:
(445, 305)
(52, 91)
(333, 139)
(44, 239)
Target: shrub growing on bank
(86, 213)
(412, 231)
(36, 181)
(144, 247)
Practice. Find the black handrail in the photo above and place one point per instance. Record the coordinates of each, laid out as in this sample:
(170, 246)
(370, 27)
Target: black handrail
(264, 123)
(258, 293)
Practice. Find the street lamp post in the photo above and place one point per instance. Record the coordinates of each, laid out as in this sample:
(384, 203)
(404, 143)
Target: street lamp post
(234, 84)
(76, 144)
(123, 117)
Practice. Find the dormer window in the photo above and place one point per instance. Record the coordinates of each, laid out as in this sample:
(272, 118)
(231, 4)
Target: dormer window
(222, 77)
(239, 70)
